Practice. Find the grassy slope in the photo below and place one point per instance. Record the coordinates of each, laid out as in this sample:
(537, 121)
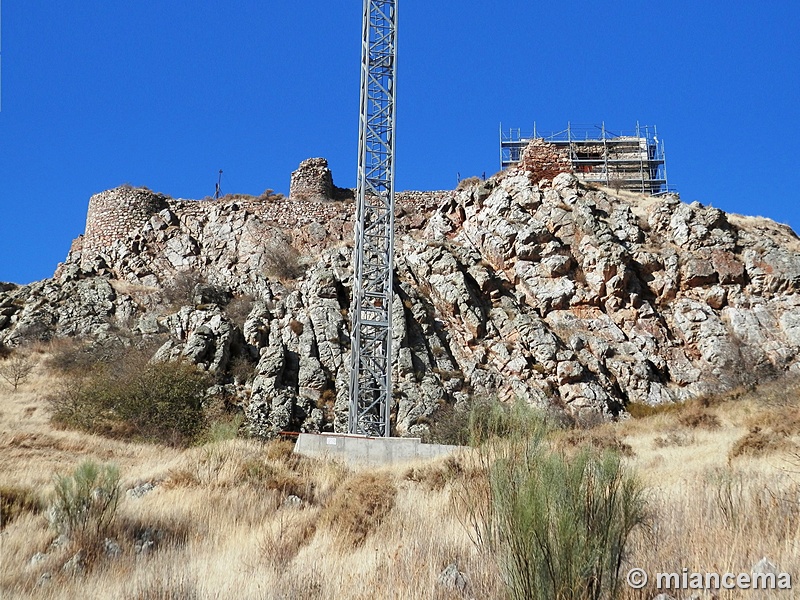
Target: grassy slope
(228, 532)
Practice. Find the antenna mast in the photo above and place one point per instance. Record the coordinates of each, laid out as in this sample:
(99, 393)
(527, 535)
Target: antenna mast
(218, 189)
(371, 335)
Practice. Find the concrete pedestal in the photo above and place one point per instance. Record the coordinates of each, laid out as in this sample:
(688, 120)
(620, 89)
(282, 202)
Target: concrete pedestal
(356, 450)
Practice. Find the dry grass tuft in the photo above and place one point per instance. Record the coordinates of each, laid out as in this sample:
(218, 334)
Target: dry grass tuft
(758, 442)
(16, 500)
(639, 410)
(284, 539)
(172, 585)
(359, 507)
(696, 417)
(675, 438)
(600, 438)
(436, 475)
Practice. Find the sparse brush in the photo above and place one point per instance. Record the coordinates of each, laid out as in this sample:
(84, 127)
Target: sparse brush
(490, 419)
(436, 475)
(281, 450)
(640, 410)
(17, 500)
(158, 402)
(696, 417)
(450, 426)
(180, 289)
(468, 182)
(758, 442)
(175, 585)
(239, 309)
(281, 260)
(359, 507)
(271, 475)
(600, 438)
(675, 439)
(16, 369)
(292, 530)
(85, 503)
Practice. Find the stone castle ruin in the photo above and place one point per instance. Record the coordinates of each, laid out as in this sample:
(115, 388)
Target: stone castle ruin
(633, 160)
(317, 213)
(313, 181)
(115, 214)
(567, 295)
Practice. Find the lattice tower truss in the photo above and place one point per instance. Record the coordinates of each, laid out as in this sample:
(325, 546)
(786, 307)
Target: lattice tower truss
(371, 308)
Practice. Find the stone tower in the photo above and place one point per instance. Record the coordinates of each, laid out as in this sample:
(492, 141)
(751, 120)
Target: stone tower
(312, 181)
(114, 214)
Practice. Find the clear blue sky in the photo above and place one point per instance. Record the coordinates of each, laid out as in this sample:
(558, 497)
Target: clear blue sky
(164, 94)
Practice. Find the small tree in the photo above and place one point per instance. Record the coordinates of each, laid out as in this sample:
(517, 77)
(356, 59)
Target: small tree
(16, 370)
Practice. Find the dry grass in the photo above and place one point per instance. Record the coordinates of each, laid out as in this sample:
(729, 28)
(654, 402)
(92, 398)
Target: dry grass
(223, 524)
(364, 502)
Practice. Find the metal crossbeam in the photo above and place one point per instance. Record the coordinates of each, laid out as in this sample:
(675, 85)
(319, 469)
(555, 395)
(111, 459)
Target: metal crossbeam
(371, 335)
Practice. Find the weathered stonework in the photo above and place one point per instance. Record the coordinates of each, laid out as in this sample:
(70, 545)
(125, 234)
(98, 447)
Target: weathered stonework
(114, 214)
(312, 181)
(545, 160)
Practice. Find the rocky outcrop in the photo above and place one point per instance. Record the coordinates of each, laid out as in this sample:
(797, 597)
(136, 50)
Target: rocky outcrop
(559, 294)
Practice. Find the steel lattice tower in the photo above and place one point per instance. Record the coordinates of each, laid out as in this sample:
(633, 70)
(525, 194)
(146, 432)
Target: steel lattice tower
(371, 335)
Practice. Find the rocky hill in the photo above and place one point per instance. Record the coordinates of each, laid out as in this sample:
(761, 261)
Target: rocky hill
(578, 298)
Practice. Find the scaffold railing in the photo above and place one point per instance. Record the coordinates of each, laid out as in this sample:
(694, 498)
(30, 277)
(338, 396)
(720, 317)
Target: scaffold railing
(598, 154)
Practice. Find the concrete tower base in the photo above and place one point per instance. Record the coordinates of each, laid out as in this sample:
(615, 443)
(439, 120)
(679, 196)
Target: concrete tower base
(356, 450)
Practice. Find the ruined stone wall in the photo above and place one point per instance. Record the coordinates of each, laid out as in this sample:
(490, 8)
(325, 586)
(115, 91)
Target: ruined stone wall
(114, 214)
(312, 181)
(545, 160)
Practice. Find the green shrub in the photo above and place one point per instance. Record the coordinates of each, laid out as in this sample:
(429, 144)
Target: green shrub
(555, 517)
(84, 504)
(158, 402)
(558, 523)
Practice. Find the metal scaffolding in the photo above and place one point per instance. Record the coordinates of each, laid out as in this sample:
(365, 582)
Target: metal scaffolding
(371, 334)
(631, 160)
